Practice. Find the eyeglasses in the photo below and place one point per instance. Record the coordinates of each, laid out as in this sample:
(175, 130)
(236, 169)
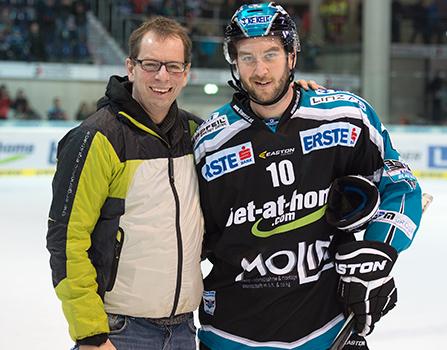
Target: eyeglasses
(154, 65)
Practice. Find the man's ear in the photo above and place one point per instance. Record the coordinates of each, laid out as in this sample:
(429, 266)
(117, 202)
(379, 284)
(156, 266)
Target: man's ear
(185, 74)
(130, 68)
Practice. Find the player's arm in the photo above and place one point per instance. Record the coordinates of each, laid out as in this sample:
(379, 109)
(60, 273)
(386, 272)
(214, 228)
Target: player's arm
(80, 187)
(400, 210)
(387, 201)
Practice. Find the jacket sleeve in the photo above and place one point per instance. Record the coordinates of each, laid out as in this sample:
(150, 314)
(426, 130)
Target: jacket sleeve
(400, 210)
(80, 187)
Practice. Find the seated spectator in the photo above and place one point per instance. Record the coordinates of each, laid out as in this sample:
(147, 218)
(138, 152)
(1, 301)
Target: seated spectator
(56, 112)
(25, 112)
(37, 49)
(20, 101)
(152, 8)
(5, 102)
(83, 111)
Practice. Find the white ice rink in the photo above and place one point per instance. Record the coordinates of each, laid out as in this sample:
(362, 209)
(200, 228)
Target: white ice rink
(31, 315)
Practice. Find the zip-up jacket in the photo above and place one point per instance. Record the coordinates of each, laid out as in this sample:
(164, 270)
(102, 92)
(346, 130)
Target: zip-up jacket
(264, 192)
(125, 225)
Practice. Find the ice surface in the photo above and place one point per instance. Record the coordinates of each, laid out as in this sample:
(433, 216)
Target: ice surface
(31, 317)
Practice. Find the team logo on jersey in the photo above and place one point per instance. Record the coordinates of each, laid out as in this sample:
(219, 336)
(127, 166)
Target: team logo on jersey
(227, 161)
(329, 135)
(279, 152)
(316, 100)
(398, 172)
(215, 123)
(209, 301)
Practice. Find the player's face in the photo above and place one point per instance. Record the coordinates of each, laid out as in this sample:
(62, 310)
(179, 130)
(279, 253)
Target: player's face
(156, 91)
(263, 66)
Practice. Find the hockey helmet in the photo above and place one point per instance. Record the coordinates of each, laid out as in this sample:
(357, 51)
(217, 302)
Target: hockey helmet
(260, 20)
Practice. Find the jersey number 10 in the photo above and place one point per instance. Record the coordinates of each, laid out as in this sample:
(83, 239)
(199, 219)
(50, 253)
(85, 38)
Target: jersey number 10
(282, 173)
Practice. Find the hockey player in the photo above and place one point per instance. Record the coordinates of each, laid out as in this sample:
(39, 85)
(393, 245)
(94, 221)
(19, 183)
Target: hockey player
(286, 176)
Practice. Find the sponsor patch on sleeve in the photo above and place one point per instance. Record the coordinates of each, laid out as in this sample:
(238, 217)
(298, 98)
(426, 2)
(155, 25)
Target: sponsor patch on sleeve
(401, 221)
(227, 161)
(214, 123)
(399, 172)
(329, 135)
(209, 301)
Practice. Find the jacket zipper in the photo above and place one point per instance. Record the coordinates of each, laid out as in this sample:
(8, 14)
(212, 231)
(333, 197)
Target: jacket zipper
(179, 235)
(116, 258)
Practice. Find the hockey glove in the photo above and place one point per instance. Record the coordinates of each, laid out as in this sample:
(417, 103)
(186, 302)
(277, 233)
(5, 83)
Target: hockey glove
(365, 287)
(352, 202)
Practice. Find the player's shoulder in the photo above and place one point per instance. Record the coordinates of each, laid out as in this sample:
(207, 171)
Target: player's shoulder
(221, 119)
(332, 99)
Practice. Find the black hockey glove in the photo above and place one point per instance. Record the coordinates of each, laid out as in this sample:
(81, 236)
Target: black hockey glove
(352, 203)
(365, 287)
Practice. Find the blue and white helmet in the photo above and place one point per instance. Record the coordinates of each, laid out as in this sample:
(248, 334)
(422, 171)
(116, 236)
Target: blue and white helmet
(260, 20)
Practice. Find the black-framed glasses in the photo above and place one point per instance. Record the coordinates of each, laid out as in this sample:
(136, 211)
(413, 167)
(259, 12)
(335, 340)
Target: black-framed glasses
(154, 65)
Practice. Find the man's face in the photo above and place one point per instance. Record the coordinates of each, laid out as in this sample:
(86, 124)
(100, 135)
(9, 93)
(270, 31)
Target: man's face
(156, 91)
(263, 66)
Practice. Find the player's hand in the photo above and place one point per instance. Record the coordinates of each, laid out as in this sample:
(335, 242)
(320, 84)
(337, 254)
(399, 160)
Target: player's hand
(365, 287)
(106, 346)
(309, 84)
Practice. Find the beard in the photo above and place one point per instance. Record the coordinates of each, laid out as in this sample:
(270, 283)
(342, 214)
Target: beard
(266, 96)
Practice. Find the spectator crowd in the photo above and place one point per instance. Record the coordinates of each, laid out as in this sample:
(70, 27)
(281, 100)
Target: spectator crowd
(19, 108)
(56, 31)
(44, 30)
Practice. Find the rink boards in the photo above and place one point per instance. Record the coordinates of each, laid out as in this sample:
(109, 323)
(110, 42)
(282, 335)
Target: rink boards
(31, 150)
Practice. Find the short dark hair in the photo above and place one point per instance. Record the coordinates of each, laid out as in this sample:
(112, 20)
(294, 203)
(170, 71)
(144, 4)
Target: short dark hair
(163, 27)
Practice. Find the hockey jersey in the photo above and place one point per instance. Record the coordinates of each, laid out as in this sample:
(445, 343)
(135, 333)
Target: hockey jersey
(263, 194)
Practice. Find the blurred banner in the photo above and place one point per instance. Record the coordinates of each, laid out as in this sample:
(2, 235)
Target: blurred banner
(31, 150)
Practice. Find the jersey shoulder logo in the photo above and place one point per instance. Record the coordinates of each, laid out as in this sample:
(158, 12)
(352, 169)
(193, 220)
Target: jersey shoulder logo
(214, 123)
(329, 135)
(227, 161)
(316, 100)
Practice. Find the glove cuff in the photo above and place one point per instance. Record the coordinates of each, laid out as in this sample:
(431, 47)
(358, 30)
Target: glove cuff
(352, 203)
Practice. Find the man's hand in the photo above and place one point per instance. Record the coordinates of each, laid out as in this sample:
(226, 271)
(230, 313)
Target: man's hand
(365, 287)
(309, 84)
(106, 346)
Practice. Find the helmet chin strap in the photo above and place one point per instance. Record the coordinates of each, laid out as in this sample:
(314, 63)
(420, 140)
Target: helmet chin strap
(237, 85)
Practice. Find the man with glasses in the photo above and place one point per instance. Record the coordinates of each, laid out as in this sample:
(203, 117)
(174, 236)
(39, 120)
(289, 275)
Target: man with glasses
(125, 225)
(286, 176)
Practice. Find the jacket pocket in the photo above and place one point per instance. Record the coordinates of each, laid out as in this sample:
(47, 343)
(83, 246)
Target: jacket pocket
(119, 240)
